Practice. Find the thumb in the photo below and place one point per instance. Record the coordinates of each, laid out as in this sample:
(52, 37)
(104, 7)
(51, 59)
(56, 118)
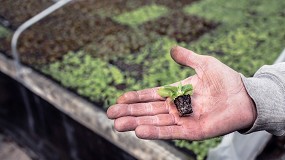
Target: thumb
(186, 57)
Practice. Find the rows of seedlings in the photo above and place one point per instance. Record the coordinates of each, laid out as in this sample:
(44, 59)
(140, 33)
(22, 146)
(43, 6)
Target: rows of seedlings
(179, 26)
(74, 26)
(66, 30)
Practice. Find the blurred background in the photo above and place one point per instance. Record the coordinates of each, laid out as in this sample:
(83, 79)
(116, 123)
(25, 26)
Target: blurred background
(99, 49)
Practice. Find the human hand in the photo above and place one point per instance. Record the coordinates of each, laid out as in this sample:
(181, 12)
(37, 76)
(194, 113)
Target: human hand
(220, 104)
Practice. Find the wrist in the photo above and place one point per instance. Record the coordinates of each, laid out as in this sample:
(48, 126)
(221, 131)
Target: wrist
(246, 108)
(250, 108)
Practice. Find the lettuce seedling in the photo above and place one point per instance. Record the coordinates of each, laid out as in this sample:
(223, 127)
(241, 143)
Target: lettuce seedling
(181, 95)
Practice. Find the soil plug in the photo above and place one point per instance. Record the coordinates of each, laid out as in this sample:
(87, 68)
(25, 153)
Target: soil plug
(181, 95)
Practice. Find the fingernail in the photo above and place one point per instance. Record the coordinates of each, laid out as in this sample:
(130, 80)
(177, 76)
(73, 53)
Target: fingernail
(173, 48)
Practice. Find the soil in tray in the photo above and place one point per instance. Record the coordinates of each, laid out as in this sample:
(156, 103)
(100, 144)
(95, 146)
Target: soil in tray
(182, 27)
(76, 25)
(177, 4)
(72, 28)
(134, 70)
(115, 7)
(121, 43)
(50, 39)
(18, 11)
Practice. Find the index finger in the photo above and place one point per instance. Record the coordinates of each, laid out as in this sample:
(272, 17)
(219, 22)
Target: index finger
(150, 94)
(145, 95)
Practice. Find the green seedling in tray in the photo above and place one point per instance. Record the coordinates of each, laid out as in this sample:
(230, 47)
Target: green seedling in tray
(181, 95)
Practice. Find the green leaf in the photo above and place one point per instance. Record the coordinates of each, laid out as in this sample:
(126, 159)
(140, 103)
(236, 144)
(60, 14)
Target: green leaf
(180, 87)
(175, 91)
(189, 92)
(187, 89)
(175, 95)
(172, 88)
(141, 15)
(164, 92)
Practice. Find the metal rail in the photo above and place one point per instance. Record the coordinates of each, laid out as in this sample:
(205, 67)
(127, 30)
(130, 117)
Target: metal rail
(28, 24)
(281, 57)
(15, 54)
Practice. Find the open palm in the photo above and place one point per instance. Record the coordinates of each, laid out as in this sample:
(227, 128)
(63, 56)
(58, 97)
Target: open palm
(220, 104)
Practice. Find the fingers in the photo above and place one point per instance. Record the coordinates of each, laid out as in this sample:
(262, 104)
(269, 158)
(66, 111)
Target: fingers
(163, 126)
(131, 123)
(160, 132)
(137, 109)
(186, 57)
(170, 132)
(150, 95)
(146, 95)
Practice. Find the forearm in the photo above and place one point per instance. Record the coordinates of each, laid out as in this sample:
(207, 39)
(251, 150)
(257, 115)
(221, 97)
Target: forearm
(267, 90)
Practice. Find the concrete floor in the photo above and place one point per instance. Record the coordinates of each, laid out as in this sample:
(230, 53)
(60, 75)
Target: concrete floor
(9, 150)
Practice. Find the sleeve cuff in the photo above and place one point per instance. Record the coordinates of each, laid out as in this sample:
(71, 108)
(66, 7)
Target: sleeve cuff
(267, 92)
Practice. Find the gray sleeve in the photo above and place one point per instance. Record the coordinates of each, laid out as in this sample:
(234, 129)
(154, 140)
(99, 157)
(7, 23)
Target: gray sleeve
(267, 89)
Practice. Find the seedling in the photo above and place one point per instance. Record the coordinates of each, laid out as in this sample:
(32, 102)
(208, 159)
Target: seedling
(181, 97)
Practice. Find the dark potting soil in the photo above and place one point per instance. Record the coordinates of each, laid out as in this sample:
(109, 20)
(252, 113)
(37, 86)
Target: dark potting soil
(175, 4)
(18, 11)
(183, 104)
(134, 70)
(115, 7)
(80, 23)
(119, 44)
(67, 29)
(55, 36)
(179, 26)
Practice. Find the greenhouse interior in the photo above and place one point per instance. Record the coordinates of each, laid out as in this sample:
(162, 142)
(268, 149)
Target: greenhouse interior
(63, 63)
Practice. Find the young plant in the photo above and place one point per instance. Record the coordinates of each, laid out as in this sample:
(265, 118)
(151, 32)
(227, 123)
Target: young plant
(181, 97)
